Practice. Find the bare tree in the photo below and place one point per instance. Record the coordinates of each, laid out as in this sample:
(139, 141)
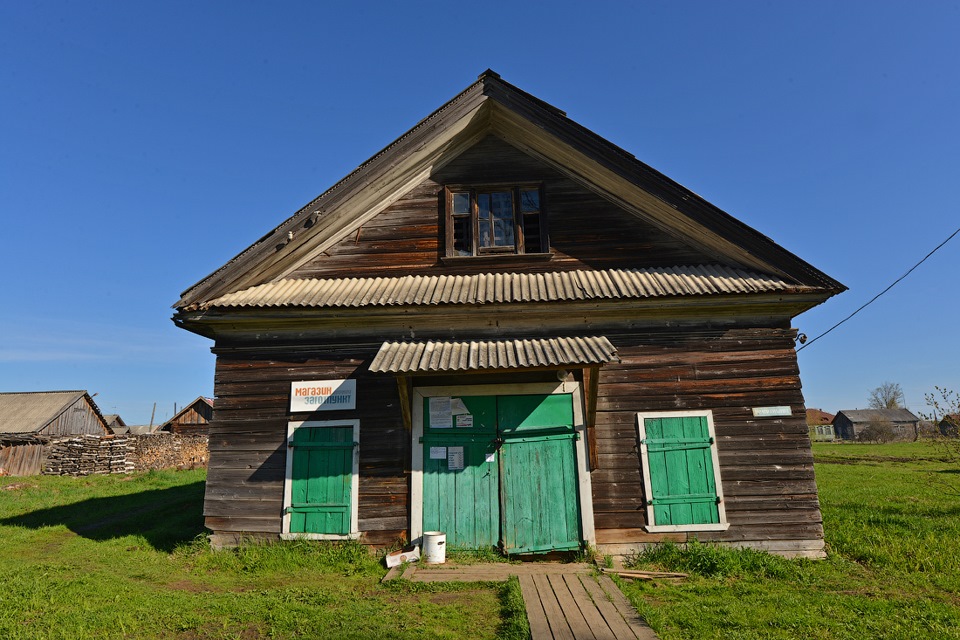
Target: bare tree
(889, 395)
(945, 405)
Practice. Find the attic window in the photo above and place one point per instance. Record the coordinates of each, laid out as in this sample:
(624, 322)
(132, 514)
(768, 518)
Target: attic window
(492, 220)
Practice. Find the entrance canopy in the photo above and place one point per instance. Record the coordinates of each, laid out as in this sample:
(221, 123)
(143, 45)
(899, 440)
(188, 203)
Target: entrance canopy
(432, 357)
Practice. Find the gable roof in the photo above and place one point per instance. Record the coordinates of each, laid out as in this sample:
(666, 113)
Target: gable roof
(878, 415)
(31, 411)
(819, 417)
(491, 105)
(200, 400)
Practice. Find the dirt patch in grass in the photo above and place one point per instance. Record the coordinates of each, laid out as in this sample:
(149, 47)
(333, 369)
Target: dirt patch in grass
(16, 486)
(250, 632)
(189, 587)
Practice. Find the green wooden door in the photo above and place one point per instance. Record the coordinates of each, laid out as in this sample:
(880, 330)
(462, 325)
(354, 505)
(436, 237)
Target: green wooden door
(460, 475)
(517, 483)
(321, 480)
(538, 485)
(682, 482)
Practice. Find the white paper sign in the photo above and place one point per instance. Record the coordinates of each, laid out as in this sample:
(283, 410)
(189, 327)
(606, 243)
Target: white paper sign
(323, 395)
(454, 458)
(457, 407)
(438, 453)
(492, 457)
(463, 421)
(440, 416)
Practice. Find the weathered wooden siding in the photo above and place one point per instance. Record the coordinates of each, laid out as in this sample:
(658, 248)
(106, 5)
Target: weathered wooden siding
(22, 459)
(78, 419)
(586, 231)
(248, 442)
(766, 463)
(193, 421)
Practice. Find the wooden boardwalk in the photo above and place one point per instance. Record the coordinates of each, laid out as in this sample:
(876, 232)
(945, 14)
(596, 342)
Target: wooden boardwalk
(562, 600)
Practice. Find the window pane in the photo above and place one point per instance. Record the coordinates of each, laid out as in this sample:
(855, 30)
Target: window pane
(531, 234)
(483, 205)
(461, 203)
(462, 238)
(529, 200)
(502, 211)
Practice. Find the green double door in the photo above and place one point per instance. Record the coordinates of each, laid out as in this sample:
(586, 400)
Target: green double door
(501, 471)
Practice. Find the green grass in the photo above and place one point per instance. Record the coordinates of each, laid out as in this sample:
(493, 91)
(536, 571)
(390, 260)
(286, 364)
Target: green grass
(893, 570)
(124, 557)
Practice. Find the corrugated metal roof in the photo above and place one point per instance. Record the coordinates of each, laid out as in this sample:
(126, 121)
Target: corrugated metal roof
(504, 287)
(412, 357)
(879, 415)
(31, 411)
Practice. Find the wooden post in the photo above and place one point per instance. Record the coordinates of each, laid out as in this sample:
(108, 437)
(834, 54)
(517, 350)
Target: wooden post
(405, 390)
(591, 384)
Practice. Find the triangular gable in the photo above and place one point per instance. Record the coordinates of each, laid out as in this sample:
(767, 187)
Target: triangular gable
(493, 106)
(198, 404)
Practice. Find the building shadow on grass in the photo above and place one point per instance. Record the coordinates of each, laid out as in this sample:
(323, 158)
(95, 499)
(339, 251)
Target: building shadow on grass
(165, 518)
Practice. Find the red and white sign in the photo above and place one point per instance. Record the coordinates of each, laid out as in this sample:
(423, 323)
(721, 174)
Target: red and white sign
(323, 395)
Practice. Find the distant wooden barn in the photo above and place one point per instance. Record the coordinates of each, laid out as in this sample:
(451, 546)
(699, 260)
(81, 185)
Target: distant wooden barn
(506, 328)
(857, 424)
(28, 420)
(193, 419)
(115, 423)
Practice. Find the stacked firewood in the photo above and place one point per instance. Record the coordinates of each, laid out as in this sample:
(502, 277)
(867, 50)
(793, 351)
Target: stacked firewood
(88, 455)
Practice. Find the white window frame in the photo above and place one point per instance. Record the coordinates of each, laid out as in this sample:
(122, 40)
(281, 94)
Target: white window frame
(652, 527)
(354, 483)
(584, 487)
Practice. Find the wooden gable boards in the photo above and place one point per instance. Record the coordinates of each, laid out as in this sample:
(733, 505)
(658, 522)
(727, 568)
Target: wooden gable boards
(492, 106)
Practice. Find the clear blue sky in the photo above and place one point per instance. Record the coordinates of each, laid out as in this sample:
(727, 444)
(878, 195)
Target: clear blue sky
(142, 145)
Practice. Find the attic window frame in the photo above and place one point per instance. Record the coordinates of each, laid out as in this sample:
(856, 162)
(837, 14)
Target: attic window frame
(519, 247)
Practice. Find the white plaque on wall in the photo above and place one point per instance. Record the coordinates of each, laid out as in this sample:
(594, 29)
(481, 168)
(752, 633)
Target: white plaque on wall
(323, 395)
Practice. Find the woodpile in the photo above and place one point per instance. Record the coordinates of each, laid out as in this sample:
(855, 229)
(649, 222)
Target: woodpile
(88, 455)
(169, 451)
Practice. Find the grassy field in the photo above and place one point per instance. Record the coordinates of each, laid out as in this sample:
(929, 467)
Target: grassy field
(123, 557)
(892, 523)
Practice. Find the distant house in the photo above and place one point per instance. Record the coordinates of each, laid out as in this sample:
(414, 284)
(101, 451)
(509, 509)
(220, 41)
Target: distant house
(950, 425)
(193, 419)
(115, 423)
(851, 423)
(820, 425)
(28, 421)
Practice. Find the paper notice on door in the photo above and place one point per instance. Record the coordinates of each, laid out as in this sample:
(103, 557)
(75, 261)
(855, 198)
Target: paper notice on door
(463, 421)
(438, 453)
(454, 458)
(492, 457)
(440, 416)
(457, 407)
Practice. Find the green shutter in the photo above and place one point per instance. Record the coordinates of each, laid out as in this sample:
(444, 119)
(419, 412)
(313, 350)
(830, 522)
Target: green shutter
(680, 458)
(321, 483)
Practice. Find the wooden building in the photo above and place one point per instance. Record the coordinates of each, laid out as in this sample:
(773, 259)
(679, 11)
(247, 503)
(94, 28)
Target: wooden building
(28, 421)
(193, 419)
(506, 328)
(858, 424)
(115, 423)
(820, 425)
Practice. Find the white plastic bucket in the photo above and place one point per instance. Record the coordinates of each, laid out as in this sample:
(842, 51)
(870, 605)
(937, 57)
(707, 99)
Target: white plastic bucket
(434, 547)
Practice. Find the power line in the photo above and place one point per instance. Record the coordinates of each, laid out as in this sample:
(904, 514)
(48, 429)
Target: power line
(868, 303)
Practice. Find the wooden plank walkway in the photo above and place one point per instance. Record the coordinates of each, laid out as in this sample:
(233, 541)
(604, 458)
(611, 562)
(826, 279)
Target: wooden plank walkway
(563, 601)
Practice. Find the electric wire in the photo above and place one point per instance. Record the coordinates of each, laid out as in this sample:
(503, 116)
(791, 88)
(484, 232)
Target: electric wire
(869, 302)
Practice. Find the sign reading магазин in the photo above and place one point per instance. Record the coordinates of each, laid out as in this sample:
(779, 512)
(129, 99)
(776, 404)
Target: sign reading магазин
(323, 395)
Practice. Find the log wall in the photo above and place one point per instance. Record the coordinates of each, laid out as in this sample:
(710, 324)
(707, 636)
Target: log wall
(766, 463)
(248, 442)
